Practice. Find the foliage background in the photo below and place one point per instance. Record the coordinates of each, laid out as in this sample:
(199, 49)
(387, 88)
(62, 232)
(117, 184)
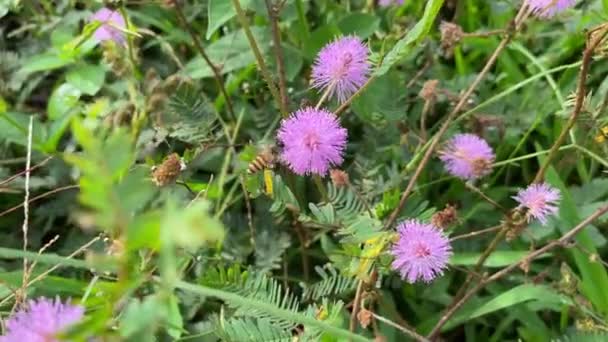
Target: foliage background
(215, 255)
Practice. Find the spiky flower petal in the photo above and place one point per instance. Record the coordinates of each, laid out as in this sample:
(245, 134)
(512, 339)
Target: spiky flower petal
(112, 22)
(385, 3)
(41, 321)
(313, 140)
(539, 200)
(549, 8)
(341, 67)
(422, 251)
(467, 156)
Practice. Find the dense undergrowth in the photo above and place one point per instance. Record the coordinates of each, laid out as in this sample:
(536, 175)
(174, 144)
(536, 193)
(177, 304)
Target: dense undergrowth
(303, 170)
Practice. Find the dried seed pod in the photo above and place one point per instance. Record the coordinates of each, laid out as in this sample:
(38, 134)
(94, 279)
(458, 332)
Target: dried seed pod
(168, 171)
(445, 217)
(451, 34)
(339, 178)
(429, 90)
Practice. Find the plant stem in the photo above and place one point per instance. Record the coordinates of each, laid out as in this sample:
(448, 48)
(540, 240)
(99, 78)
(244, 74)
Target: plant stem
(273, 13)
(357, 93)
(453, 114)
(197, 44)
(258, 56)
(578, 106)
(525, 260)
(302, 19)
(403, 329)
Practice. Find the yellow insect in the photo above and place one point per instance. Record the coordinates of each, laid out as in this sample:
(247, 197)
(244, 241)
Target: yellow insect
(602, 136)
(263, 161)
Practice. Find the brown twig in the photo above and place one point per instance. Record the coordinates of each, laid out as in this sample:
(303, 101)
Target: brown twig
(41, 196)
(453, 114)
(356, 305)
(197, 44)
(17, 175)
(525, 260)
(578, 105)
(258, 56)
(478, 191)
(347, 103)
(403, 329)
(475, 233)
(273, 13)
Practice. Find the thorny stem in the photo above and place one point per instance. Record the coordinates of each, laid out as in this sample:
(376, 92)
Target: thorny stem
(273, 13)
(578, 106)
(525, 260)
(197, 44)
(258, 56)
(453, 114)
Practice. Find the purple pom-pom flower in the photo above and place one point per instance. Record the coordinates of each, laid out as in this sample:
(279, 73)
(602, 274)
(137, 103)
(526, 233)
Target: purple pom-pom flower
(385, 3)
(467, 156)
(549, 8)
(42, 321)
(341, 67)
(421, 252)
(112, 24)
(539, 200)
(312, 140)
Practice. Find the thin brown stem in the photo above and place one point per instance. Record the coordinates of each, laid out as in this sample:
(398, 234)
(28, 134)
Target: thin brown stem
(446, 124)
(197, 44)
(523, 261)
(409, 332)
(17, 175)
(273, 13)
(483, 34)
(578, 105)
(46, 194)
(481, 194)
(425, 112)
(356, 305)
(475, 233)
(258, 56)
(347, 103)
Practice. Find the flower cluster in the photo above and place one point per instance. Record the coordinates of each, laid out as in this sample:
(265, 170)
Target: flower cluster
(421, 252)
(341, 67)
(313, 140)
(112, 26)
(468, 157)
(41, 321)
(539, 201)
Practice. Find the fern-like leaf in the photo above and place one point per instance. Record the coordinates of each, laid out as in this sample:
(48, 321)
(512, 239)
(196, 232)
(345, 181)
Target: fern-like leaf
(191, 115)
(251, 330)
(331, 284)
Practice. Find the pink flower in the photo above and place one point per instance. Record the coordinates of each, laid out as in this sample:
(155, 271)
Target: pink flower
(341, 67)
(111, 24)
(549, 8)
(540, 201)
(312, 140)
(422, 251)
(385, 3)
(41, 321)
(467, 156)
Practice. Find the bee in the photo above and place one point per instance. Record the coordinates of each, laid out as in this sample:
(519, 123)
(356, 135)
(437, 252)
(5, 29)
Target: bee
(602, 136)
(264, 160)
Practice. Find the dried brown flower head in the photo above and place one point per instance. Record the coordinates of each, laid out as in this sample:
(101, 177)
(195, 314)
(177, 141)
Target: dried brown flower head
(364, 317)
(339, 178)
(168, 171)
(445, 217)
(451, 34)
(429, 90)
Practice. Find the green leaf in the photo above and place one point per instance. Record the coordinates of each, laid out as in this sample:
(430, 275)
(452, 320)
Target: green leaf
(144, 232)
(219, 12)
(62, 100)
(416, 34)
(192, 227)
(319, 38)
(140, 317)
(87, 78)
(175, 322)
(44, 62)
(362, 25)
(520, 294)
(496, 259)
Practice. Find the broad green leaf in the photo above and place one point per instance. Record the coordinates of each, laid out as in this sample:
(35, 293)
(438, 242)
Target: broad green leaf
(319, 38)
(62, 100)
(219, 12)
(362, 25)
(14, 128)
(191, 227)
(44, 62)
(496, 259)
(520, 294)
(87, 78)
(175, 322)
(416, 34)
(140, 317)
(144, 232)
